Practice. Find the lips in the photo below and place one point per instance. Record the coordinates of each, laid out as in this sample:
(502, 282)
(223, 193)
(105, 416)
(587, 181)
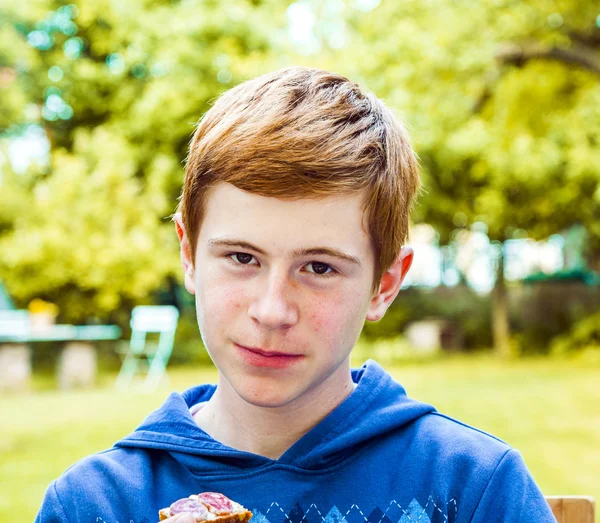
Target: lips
(267, 353)
(267, 358)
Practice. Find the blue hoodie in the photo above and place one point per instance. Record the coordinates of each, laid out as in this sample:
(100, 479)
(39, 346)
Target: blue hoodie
(379, 457)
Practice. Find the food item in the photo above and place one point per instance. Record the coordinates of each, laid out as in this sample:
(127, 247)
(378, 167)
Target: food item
(208, 506)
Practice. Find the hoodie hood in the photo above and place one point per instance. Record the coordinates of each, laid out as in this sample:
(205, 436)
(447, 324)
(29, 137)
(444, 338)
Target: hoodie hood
(377, 406)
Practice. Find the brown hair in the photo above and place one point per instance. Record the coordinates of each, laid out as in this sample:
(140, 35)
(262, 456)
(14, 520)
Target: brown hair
(306, 133)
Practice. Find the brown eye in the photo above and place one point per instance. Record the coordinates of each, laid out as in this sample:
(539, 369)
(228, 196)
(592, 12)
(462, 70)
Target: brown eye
(243, 258)
(321, 269)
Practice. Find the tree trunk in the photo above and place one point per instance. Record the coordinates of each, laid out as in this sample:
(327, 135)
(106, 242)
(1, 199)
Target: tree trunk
(500, 323)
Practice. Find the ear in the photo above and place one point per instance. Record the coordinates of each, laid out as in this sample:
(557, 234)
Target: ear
(186, 255)
(391, 281)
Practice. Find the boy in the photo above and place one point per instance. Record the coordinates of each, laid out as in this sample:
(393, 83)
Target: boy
(292, 226)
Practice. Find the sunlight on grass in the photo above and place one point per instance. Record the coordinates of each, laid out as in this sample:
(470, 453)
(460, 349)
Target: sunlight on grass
(548, 409)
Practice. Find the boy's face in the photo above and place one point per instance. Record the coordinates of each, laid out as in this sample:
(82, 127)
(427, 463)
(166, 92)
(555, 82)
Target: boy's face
(280, 323)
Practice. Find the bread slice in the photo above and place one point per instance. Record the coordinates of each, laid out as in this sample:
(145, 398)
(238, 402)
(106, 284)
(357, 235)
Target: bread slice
(209, 507)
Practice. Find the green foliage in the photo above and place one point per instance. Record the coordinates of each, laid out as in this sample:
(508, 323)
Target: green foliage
(542, 311)
(90, 233)
(538, 313)
(118, 88)
(461, 306)
(585, 335)
(503, 99)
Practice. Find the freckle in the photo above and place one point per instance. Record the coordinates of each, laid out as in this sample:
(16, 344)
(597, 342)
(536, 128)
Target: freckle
(317, 321)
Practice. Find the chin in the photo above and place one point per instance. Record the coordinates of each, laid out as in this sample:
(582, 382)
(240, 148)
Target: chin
(266, 397)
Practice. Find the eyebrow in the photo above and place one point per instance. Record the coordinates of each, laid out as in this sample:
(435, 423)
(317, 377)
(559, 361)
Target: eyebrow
(298, 253)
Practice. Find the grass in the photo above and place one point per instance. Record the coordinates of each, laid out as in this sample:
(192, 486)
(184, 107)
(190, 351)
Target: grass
(548, 409)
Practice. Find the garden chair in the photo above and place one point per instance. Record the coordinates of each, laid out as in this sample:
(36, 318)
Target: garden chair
(145, 356)
(572, 509)
(14, 323)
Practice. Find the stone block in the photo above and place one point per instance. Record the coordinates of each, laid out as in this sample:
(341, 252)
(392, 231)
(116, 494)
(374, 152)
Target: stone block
(77, 365)
(15, 366)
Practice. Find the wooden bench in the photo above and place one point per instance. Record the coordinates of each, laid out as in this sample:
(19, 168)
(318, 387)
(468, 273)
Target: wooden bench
(572, 509)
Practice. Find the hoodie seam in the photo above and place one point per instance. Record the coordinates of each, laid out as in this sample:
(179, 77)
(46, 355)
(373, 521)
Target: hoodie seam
(60, 503)
(475, 429)
(271, 467)
(487, 485)
(166, 438)
(160, 445)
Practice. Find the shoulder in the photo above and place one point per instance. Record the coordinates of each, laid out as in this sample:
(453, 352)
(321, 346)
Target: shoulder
(123, 470)
(77, 493)
(98, 485)
(458, 461)
(450, 433)
(439, 447)
(116, 465)
(454, 445)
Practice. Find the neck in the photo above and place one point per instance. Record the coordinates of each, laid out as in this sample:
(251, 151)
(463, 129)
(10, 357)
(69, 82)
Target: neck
(231, 420)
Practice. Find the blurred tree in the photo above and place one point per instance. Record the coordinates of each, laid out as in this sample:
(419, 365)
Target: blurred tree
(503, 100)
(117, 89)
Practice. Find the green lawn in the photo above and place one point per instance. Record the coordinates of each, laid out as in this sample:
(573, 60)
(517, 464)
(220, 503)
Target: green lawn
(548, 409)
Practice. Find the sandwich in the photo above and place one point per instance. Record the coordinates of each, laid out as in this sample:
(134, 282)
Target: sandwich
(212, 507)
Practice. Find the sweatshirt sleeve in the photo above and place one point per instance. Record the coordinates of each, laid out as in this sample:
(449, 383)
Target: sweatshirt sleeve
(512, 496)
(51, 510)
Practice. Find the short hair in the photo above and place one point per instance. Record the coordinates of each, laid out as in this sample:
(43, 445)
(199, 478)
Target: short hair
(306, 133)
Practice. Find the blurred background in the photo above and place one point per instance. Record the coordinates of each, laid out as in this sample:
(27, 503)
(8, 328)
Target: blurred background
(498, 323)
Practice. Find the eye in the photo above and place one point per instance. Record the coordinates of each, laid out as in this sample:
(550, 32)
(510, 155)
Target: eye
(322, 269)
(241, 257)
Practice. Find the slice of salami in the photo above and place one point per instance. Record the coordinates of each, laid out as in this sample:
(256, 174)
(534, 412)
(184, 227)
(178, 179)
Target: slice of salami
(189, 505)
(216, 503)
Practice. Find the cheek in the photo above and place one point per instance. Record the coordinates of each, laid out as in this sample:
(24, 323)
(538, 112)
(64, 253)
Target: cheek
(222, 299)
(334, 315)
(325, 313)
(230, 299)
(219, 298)
(318, 320)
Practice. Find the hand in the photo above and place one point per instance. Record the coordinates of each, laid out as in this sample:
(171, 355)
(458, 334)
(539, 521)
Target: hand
(184, 517)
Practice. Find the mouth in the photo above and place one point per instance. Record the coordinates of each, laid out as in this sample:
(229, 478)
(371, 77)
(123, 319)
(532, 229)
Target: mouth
(267, 358)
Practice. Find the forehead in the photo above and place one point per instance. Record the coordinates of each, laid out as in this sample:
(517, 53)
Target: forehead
(283, 225)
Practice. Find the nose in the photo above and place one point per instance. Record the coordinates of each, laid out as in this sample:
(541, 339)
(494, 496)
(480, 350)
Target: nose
(274, 306)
